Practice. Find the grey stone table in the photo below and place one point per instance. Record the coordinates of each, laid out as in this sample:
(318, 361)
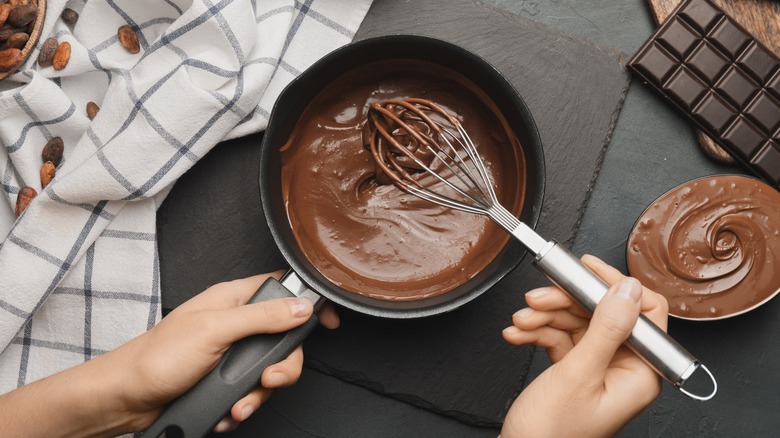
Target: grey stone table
(651, 150)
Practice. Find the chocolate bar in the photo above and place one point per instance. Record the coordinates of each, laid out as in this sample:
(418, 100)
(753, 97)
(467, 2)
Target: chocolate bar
(728, 83)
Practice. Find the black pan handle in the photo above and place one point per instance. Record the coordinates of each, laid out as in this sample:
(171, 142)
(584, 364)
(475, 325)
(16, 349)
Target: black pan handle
(196, 412)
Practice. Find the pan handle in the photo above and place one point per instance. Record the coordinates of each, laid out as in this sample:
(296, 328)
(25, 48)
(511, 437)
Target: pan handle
(196, 412)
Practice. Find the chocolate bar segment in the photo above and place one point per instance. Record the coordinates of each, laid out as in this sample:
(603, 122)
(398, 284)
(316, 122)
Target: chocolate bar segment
(728, 83)
(679, 38)
(744, 138)
(774, 85)
(729, 39)
(701, 15)
(737, 87)
(768, 161)
(658, 64)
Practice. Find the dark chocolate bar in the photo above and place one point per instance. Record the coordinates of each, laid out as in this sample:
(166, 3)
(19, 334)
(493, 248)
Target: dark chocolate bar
(728, 83)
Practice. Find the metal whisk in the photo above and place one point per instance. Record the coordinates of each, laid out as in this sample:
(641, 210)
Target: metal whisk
(451, 148)
(414, 138)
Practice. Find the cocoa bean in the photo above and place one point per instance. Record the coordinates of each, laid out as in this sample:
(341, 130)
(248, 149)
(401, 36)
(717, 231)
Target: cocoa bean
(23, 199)
(70, 16)
(46, 56)
(53, 151)
(5, 9)
(6, 31)
(9, 58)
(20, 16)
(17, 40)
(129, 39)
(61, 56)
(92, 110)
(47, 173)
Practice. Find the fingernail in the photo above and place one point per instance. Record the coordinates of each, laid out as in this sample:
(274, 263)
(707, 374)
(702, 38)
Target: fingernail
(301, 307)
(629, 288)
(524, 313)
(275, 379)
(246, 411)
(222, 426)
(511, 330)
(536, 293)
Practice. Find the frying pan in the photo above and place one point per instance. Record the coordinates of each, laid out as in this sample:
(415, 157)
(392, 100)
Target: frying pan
(196, 412)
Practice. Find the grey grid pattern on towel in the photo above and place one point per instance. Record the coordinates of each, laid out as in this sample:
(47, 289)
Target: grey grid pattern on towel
(79, 272)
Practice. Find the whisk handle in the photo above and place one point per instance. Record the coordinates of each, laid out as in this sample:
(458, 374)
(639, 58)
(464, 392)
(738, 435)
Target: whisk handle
(673, 362)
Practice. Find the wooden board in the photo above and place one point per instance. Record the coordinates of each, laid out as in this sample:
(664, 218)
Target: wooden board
(760, 17)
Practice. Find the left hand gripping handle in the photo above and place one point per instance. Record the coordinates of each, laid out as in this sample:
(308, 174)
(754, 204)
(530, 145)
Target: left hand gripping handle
(196, 412)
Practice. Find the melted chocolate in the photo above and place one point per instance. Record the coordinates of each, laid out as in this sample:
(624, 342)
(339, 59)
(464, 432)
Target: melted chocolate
(710, 246)
(371, 238)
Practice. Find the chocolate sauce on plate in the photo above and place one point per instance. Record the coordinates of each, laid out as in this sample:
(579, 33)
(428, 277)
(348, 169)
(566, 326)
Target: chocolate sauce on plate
(711, 246)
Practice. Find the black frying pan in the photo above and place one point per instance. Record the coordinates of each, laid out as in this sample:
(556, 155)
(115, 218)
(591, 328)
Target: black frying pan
(196, 412)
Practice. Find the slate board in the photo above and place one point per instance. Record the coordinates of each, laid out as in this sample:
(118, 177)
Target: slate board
(211, 226)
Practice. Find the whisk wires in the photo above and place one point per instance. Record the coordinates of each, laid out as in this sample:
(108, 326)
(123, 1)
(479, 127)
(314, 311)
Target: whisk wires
(408, 137)
(409, 120)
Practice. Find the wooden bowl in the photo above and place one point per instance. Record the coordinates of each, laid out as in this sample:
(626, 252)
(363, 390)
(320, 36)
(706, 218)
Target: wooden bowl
(34, 36)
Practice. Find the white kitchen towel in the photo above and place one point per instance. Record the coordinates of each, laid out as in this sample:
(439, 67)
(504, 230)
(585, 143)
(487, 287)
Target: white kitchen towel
(79, 273)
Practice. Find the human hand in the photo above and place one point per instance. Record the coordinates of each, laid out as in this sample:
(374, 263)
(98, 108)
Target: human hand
(596, 384)
(166, 361)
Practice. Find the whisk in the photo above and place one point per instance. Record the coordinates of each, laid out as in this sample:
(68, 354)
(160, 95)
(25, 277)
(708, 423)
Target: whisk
(414, 138)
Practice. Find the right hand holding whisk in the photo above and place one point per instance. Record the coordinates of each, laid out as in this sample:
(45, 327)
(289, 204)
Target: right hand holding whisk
(596, 384)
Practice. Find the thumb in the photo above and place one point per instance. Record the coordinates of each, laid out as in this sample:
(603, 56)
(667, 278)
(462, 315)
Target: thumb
(610, 326)
(270, 316)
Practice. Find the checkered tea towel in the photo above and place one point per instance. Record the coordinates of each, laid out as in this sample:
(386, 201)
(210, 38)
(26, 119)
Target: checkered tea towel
(79, 273)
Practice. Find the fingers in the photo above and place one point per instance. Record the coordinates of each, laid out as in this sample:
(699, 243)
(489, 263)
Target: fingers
(552, 298)
(272, 316)
(328, 316)
(607, 273)
(284, 373)
(243, 408)
(610, 326)
(231, 293)
(226, 424)
(653, 305)
(529, 319)
(551, 330)
(558, 343)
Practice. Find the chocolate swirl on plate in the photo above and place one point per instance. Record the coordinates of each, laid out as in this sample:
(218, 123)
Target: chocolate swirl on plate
(711, 246)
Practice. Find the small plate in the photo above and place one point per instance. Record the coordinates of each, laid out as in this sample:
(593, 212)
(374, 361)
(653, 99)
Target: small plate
(711, 246)
(34, 36)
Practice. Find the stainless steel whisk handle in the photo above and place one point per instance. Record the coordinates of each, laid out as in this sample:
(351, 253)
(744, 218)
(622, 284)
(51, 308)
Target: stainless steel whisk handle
(673, 362)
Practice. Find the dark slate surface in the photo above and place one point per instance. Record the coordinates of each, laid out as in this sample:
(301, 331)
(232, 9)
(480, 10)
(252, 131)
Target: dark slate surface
(211, 228)
(320, 405)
